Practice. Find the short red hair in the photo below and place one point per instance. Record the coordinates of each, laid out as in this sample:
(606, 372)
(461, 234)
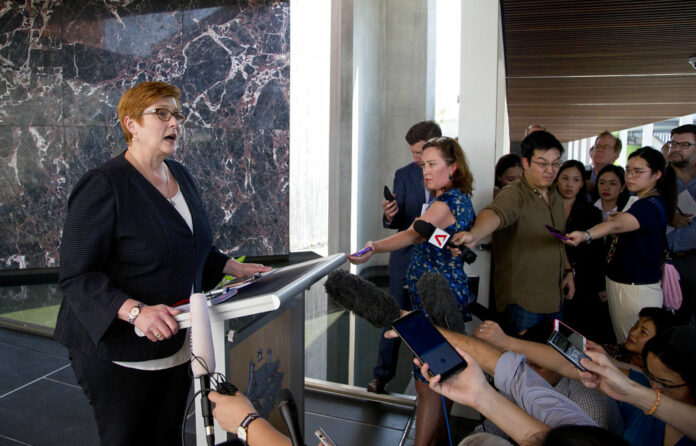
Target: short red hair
(138, 98)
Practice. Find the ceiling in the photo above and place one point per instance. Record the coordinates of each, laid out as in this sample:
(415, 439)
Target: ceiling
(580, 67)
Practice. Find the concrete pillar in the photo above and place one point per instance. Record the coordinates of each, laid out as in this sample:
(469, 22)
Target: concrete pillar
(482, 133)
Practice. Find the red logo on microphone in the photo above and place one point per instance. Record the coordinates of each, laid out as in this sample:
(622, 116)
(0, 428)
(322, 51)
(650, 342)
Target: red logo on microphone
(440, 239)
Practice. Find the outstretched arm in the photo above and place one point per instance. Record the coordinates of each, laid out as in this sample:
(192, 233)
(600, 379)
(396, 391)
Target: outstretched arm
(469, 387)
(541, 354)
(603, 374)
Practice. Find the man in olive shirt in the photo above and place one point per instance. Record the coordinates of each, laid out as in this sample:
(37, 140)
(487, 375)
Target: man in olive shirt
(532, 272)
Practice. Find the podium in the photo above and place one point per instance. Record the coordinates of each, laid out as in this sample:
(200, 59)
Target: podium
(264, 323)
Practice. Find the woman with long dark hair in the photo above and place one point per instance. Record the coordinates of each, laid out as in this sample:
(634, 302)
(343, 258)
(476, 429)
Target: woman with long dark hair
(586, 312)
(613, 195)
(635, 259)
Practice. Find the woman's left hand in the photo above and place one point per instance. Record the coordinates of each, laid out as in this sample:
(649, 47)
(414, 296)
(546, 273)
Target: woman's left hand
(357, 260)
(157, 322)
(236, 269)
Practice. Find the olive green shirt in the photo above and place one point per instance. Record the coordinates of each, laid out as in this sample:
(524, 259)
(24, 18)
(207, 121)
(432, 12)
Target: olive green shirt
(529, 261)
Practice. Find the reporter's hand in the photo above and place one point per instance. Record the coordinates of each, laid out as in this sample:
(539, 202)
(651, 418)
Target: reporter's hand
(466, 387)
(390, 209)
(602, 374)
(465, 238)
(157, 322)
(229, 411)
(575, 238)
(357, 260)
(491, 332)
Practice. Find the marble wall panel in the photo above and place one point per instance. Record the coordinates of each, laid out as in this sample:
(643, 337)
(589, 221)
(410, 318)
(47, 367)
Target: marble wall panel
(30, 63)
(245, 174)
(64, 64)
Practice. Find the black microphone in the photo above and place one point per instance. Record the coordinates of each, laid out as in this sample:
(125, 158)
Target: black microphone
(438, 301)
(438, 237)
(288, 410)
(363, 298)
(203, 358)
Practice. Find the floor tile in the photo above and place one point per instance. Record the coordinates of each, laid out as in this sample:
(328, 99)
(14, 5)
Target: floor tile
(48, 413)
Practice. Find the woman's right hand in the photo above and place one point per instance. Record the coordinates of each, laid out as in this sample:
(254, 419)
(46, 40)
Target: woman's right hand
(357, 260)
(157, 322)
(575, 238)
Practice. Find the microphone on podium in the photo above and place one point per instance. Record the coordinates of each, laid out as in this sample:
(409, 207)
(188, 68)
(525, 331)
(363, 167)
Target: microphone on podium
(203, 358)
(288, 411)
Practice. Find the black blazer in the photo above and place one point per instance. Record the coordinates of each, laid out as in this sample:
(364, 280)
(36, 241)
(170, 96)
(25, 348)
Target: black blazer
(123, 239)
(410, 197)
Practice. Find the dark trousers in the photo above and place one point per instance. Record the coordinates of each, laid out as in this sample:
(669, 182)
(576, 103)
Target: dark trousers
(389, 348)
(686, 266)
(134, 407)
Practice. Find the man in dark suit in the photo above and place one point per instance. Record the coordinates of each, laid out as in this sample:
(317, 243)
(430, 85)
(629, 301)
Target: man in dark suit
(410, 197)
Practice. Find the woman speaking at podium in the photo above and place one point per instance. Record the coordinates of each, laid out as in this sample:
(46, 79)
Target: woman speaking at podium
(136, 240)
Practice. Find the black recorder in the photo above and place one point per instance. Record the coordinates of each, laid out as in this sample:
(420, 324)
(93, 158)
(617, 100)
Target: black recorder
(568, 343)
(428, 344)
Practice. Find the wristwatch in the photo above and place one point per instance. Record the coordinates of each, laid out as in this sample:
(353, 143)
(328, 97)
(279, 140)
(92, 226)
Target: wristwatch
(134, 312)
(242, 430)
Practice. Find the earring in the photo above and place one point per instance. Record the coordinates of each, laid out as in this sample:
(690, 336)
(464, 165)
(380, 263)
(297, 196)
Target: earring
(450, 177)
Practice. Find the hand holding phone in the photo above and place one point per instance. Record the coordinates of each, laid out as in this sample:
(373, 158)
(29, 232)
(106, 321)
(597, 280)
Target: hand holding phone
(428, 344)
(568, 343)
(362, 251)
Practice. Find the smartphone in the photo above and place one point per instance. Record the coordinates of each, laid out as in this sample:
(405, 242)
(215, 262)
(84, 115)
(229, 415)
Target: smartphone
(568, 343)
(387, 194)
(428, 344)
(361, 252)
(556, 233)
(323, 438)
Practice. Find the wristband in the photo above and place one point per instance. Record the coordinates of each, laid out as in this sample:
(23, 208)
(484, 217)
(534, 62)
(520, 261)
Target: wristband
(657, 403)
(589, 237)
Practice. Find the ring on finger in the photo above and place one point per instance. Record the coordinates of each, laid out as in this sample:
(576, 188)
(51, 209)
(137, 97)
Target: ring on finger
(158, 335)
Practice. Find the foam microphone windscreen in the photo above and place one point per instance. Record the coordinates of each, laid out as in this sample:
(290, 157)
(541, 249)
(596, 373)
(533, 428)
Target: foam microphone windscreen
(363, 298)
(202, 353)
(423, 228)
(439, 302)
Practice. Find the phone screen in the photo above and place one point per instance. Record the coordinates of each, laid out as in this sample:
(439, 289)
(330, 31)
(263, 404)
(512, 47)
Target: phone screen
(573, 336)
(555, 232)
(421, 336)
(568, 343)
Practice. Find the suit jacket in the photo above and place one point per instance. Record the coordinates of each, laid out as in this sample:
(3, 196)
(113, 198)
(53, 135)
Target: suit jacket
(123, 239)
(410, 197)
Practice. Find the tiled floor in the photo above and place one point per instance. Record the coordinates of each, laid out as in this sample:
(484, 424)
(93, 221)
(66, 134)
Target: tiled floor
(41, 404)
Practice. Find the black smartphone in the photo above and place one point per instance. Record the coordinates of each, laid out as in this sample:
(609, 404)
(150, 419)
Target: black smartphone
(387, 194)
(568, 343)
(428, 344)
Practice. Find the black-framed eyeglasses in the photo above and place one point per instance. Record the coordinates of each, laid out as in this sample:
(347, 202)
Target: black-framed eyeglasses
(164, 114)
(660, 383)
(683, 144)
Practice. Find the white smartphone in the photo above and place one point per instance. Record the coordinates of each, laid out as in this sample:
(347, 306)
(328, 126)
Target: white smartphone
(323, 438)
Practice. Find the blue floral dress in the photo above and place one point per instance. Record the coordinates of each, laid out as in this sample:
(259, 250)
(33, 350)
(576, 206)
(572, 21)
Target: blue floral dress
(427, 257)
